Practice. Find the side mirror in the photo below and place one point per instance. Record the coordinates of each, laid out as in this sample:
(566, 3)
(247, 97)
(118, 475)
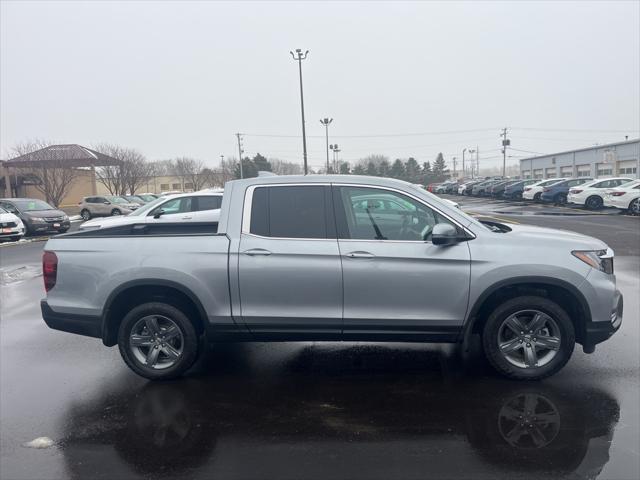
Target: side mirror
(106, 202)
(444, 234)
(158, 214)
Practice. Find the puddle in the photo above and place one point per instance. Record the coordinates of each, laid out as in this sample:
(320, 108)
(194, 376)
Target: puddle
(20, 274)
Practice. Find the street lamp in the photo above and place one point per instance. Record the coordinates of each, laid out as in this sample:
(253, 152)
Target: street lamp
(334, 148)
(471, 152)
(326, 122)
(299, 56)
(463, 171)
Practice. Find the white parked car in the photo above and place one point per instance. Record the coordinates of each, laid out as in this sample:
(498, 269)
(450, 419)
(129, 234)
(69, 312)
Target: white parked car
(625, 197)
(534, 192)
(185, 207)
(11, 226)
(591, 194)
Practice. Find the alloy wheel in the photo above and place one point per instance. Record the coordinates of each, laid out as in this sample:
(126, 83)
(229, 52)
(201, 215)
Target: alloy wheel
(634, 208)
(529, 339)
(156, 341)
(529, 420)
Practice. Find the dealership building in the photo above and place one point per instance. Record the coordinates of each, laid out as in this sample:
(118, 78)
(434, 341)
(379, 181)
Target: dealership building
(611, 160)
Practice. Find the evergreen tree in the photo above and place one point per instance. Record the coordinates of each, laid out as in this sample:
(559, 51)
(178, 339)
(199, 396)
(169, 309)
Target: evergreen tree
(261, 163)
(397, 169)
(345, 168)
(249, 169)
(412, 170)
(426, 169)
(384, 168)
(359, 170)
(440, 168)
(371, 169)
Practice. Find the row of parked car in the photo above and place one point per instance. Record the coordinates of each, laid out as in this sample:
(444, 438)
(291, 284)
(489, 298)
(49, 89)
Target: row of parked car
(594, 194)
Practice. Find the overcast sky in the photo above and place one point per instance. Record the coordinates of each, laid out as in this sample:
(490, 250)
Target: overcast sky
(179, 79)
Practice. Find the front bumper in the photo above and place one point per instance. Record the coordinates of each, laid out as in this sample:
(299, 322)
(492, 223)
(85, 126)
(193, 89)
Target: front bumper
(598, 332)
(49, 226)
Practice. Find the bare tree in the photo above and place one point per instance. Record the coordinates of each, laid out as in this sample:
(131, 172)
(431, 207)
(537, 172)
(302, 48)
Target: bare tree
(281, 167)
(134, 169)
(53, 178)
(190, 170)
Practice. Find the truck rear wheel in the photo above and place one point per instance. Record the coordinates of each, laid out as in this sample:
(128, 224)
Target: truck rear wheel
(157, 341)
(528, 338)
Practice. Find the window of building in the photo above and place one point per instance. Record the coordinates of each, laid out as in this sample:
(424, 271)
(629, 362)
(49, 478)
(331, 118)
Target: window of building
(603, 169)
(551, 172)
(566, 171)
(526, 174)
(628, 171)
(176, 186)
(583, 170)
(188, 186)
(537, 173)
(290, 212)
(164, 186)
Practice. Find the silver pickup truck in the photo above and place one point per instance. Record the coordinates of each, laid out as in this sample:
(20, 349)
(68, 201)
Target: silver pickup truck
(326, 258)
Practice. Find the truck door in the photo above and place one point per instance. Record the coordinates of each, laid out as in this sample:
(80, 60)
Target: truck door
(396, 282)
(290, 276)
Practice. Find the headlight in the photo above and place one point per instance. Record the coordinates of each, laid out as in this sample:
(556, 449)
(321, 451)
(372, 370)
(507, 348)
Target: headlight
(65, 218)
(599, 259)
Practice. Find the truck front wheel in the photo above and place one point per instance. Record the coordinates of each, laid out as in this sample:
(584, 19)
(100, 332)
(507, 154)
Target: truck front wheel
(157, 341)
(528, 338)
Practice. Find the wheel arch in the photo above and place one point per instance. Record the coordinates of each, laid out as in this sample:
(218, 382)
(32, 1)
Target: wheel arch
(135, 292)
(560, 291)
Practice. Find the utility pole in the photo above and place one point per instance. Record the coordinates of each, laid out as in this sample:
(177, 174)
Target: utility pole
(455, 174)
(463, 171)
(240, 152)
(299, 56)
(505, 143)
(478, 160)
(326, 122)
(471, 152)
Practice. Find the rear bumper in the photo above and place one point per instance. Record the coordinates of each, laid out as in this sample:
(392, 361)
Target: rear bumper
(86, 325)
(598, 332)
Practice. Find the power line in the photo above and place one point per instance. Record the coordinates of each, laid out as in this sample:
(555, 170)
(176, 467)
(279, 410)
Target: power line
(379, 135)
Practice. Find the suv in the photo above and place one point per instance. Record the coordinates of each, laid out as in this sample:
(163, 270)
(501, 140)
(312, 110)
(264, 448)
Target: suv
(105, 206)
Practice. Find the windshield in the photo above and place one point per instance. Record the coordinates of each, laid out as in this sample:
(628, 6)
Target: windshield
(140, 212)
(114, 199)
(32, 205)
(2, 210)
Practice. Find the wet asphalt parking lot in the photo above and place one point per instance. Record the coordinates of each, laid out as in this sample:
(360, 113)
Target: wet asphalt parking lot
(319, 410)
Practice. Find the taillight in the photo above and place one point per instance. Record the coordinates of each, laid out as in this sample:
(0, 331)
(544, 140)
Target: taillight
(49, 269)
(526, 189)
(546, 189)
(574, 191)
(617, 194)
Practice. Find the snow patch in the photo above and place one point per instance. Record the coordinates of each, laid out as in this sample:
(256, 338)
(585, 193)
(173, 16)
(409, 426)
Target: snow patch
(40, 442)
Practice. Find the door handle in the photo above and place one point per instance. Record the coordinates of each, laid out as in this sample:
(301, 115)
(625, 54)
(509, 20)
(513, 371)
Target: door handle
(257, 251)
(187, 218)
(360, 255)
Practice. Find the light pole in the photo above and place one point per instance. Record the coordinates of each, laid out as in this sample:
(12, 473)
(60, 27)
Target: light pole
(471, 152)
(334, 148)
(326, 122)
(299, 56)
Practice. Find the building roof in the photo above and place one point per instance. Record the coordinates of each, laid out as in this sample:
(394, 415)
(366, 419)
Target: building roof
(71, 155)
(593, 147)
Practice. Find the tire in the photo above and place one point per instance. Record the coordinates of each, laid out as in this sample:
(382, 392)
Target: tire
(634, 207)
(594, 202)
(537, 196)
(14, 239)
(183, 344)
(560, 199)
(526, 347)
(85, 214)
(115, 212)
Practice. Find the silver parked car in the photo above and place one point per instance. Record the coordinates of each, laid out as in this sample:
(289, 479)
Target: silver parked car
(107, 205)
(333, 258)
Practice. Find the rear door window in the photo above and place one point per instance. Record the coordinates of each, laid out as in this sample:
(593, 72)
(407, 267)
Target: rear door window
(208, 202)
(292, 212)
